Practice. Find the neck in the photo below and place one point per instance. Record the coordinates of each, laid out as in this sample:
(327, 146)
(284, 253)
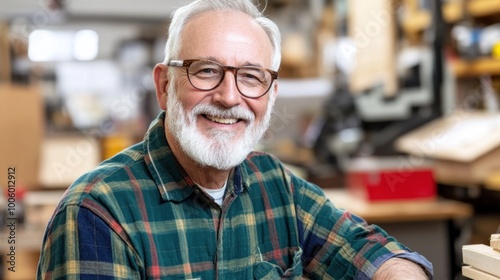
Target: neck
(205, 176)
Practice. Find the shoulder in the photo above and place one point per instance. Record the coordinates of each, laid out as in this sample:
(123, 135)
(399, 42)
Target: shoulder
(265, 167)
(263, 160)
(108, 178)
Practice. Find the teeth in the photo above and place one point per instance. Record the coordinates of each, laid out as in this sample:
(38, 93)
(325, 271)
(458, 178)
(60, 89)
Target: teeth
(221, 120)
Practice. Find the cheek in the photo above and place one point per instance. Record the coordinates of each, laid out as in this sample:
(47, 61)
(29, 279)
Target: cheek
(259, 108)
(185, 95)
(184, 83)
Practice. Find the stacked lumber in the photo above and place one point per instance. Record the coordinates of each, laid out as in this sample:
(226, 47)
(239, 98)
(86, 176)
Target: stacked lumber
(481, 261)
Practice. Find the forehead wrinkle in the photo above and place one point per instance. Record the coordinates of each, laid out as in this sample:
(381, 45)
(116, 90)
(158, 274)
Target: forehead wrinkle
(246, 63)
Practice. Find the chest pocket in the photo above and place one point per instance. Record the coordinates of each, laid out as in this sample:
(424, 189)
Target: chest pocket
(264, 270)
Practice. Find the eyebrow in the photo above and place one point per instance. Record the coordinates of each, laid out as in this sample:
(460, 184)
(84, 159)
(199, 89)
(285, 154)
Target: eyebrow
(248, 63)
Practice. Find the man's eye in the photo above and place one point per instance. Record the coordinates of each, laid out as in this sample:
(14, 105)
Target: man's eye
(207, 72)
(251, 77)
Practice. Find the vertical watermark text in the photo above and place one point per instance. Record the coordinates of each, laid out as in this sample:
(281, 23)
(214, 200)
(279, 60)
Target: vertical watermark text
(11, 220)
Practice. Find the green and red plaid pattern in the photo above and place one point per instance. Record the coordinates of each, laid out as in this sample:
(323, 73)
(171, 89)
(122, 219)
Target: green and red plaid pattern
(139, 216)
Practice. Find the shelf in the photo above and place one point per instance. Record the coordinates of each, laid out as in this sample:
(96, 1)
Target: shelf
(417, 21)
(480, 8)
(482, 66)
(477, 8)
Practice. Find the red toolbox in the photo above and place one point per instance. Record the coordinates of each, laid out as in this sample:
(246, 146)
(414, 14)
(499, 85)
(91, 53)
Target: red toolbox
(393, 178)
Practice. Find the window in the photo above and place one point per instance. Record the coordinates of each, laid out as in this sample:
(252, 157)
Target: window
(55, 45)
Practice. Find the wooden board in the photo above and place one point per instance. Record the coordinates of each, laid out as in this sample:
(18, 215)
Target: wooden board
(474, 68)
(482, 257)
(463, 136)
(465, 146)
(21, 130)
(5, 75)
(399, 211)
(475, 274)
(480, 8)
(65, 158)
(453, 10)
(372, 27)
(495, 241)
(471, 173)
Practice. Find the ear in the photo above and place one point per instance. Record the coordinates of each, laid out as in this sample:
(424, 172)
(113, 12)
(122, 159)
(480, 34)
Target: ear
(161, 84)
(275, 89)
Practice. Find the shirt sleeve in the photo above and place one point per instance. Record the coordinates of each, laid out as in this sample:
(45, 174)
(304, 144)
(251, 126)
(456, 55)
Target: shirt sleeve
(78, 244)
(340, 245)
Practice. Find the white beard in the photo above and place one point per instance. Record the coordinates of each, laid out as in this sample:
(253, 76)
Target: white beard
(222, 150)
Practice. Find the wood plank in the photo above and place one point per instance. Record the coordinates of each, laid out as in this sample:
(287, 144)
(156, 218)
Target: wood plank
(473, 273)
(372, 27)
(399, 211)
(479, 8)
(469, 174)
(495, 241)
(22, 131)
(453, 11)
(474, 68)
(482, 257)
(462, 136)
(5, 70)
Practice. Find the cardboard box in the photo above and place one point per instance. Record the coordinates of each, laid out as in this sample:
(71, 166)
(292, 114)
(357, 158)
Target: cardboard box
(64, 158)
(26, 265)
(377, 179)
(21, 130)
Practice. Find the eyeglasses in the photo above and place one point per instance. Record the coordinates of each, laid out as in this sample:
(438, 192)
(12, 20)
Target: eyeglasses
(251, 81)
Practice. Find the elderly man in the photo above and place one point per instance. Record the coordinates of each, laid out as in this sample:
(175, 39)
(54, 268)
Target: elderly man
(192, 201)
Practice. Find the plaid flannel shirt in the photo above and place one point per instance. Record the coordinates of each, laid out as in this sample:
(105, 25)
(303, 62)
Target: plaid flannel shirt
(139, 216)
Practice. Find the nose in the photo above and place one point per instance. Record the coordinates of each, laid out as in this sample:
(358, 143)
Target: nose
(227, 93)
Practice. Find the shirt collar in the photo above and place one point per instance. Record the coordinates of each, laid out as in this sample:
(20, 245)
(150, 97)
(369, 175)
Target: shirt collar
(173, 182)
(171, 179)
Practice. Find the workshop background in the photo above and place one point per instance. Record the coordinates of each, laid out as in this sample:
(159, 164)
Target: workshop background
(391, 106)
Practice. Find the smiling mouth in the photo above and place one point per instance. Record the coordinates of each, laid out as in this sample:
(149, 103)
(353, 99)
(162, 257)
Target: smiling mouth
(221, 120)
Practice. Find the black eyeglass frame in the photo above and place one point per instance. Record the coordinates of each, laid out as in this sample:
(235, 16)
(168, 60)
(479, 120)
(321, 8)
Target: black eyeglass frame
(187, 63)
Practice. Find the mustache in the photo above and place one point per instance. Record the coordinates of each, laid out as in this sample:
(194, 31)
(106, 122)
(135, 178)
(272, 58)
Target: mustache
(231, 113)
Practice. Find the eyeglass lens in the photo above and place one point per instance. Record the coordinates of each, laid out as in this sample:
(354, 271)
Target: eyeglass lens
(251, 81)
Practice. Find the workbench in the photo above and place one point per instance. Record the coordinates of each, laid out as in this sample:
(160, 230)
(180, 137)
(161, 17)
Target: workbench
(423, 225)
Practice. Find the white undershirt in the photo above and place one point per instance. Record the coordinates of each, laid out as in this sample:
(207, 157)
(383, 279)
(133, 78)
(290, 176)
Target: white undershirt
(216, 194)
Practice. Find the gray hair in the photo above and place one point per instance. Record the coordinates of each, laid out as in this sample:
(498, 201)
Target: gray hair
(182, 15)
